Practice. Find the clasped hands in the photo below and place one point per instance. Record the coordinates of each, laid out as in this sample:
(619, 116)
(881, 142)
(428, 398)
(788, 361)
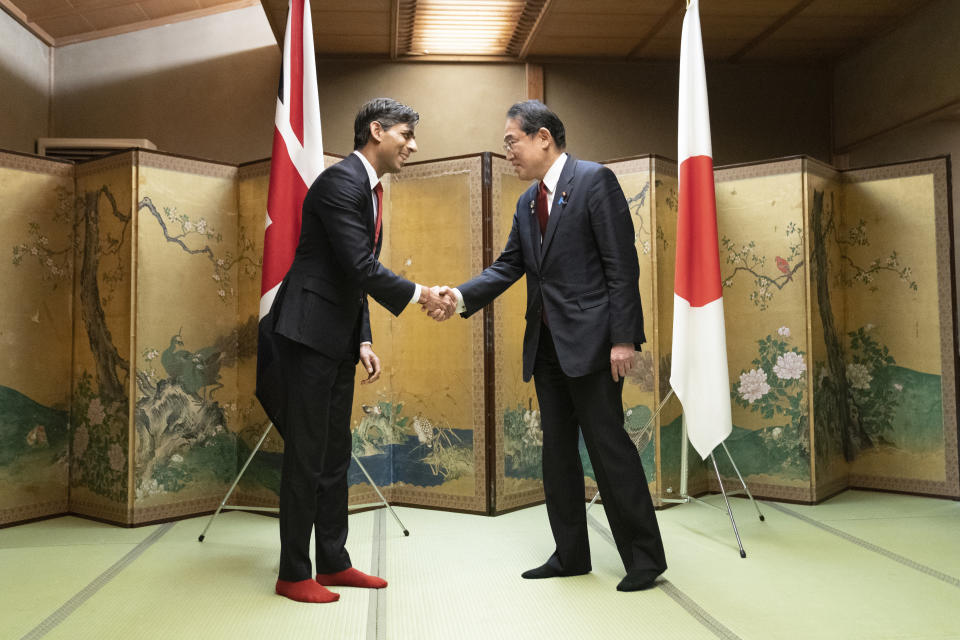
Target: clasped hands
(440, 303)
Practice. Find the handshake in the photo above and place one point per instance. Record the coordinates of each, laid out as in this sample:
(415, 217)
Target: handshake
(440, 303)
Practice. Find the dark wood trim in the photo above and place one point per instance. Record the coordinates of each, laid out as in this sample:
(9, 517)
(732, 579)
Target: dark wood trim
(394, 28)
(953, 297)
(534, 29)
(850, 146)
(671, 11)
(466, 155)
(766, 33)
(489, 346)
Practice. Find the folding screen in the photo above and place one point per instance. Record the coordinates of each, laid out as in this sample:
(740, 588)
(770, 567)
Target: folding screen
(36, 225)
(516, 432)
(838, 294)
(186, 334)
(429, 410)
(893, 247)
(103, 355)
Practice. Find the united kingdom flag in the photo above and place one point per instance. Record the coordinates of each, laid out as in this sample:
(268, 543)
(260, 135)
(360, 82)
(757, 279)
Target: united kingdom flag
(296, 162)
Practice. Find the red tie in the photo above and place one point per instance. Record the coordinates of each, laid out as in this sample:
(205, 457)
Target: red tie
(376, 234)
(542, 214)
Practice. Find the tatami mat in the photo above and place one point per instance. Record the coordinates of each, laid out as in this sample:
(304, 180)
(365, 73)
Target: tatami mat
(857, 566)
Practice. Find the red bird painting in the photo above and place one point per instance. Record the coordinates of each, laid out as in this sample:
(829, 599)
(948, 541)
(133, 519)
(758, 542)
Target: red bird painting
(784, 266)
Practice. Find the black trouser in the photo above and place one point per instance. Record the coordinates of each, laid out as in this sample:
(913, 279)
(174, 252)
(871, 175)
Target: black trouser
(594, 404)
(318, 397)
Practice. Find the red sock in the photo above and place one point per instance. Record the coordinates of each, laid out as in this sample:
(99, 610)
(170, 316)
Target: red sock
(305, 591)
(351, 578)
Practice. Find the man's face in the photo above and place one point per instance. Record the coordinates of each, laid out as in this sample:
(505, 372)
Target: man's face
(525, 151)
(396, 145)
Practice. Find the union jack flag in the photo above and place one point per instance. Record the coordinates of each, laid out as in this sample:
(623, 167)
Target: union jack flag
(296, 162)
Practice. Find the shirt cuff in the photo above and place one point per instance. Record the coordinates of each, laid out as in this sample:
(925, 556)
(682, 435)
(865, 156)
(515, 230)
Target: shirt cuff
(416, 294)
(461, 308)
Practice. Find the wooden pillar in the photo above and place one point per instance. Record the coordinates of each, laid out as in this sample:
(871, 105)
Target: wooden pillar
(534, 73)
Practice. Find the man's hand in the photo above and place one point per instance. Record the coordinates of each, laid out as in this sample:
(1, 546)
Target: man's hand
(439, 303)
(371, 363)
(621, 360)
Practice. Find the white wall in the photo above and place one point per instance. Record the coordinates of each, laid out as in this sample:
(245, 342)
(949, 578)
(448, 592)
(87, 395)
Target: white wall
(24, 86)
(204, 87)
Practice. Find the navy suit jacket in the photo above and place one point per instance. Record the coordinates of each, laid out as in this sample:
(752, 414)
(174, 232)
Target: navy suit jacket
(322, 302)
(584, 275)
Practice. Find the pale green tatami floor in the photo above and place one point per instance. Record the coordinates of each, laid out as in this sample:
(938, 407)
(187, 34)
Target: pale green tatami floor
(862, 565)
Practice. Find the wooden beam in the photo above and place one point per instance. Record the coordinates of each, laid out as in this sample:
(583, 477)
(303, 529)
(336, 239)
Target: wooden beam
(534, 73)
(528, 41)
(394, 27)
(667, 16)
(21, 17)
(766, 33)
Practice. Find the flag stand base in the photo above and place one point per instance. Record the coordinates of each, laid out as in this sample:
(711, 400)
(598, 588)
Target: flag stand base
(224, 505)
(684, 472)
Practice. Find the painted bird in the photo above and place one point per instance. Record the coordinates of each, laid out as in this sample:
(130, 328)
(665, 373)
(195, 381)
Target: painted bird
(784, 266)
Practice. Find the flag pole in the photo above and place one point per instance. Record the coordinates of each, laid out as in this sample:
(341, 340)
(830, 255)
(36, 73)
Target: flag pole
(685, 497)
(224, 505)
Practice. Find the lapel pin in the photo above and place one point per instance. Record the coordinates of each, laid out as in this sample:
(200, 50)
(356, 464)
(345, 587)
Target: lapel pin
(563, 198)
(532, 205)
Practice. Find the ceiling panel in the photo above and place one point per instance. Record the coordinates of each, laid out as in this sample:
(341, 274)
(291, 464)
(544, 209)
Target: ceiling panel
(64, 26)
(566, 25)
(163, 8)
(115, 16)
(536, 30)
(43, 8)
(583, 46)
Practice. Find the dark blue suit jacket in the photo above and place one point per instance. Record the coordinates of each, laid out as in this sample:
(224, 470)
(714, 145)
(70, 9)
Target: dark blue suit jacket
(584, 274)
(322, 302)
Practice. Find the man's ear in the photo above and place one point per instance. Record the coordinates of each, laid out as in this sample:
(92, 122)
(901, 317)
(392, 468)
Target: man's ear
(376, 131)
(544, 139)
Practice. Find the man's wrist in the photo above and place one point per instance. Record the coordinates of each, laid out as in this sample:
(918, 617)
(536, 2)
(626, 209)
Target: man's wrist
(461, 307)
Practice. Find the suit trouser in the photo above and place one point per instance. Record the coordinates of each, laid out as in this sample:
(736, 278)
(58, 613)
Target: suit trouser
(594, 404)
(318, 397)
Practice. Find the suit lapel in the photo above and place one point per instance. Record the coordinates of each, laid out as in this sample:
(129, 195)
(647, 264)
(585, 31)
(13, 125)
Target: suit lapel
(560, 198)
(360, 173)
(530, 229)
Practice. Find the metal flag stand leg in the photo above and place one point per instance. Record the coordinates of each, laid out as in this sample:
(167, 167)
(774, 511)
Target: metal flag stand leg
(223, 503)
(684, 472)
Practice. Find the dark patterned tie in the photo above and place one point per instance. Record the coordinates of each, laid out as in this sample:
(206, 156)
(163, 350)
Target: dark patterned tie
(542, 214)
(376, 234)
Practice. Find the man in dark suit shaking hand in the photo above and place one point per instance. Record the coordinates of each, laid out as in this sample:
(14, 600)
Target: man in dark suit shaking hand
(573, 238)
(321, 330)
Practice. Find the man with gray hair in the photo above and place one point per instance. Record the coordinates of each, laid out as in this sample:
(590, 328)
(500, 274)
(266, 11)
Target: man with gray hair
(573, 238)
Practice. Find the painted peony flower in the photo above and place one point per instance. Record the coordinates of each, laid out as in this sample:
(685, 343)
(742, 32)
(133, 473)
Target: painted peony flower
(117, 457)
(753, 385)
(790, 366)
(95, 412)
(858, 376)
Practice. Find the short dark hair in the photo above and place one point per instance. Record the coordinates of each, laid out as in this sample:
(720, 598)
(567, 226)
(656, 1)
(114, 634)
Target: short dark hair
(531, 115)
(387, 112)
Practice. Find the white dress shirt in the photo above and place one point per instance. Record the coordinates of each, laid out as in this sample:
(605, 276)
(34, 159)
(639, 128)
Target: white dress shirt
(550, 180)
(374, 181)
